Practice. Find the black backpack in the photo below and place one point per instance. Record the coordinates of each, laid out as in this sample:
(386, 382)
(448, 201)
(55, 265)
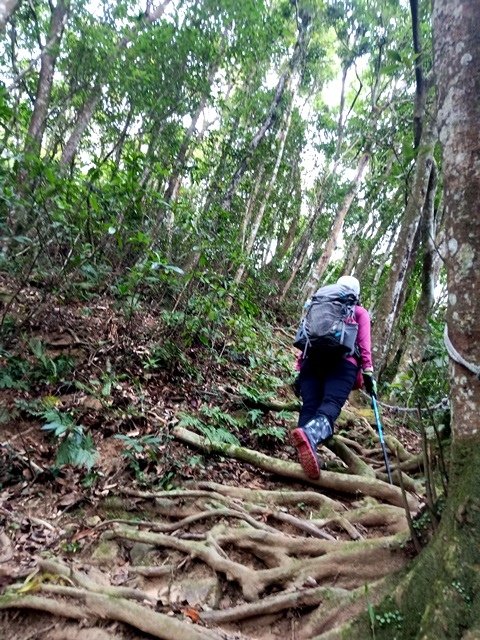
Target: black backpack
(328, 325)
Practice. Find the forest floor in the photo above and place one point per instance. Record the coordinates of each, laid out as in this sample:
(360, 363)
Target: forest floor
(175, 533)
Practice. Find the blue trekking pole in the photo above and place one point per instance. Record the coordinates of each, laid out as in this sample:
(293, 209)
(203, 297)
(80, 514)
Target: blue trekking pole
(380, 435)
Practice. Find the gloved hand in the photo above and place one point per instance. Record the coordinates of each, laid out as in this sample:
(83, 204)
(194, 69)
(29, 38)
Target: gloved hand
(296, 386)
(370, 382)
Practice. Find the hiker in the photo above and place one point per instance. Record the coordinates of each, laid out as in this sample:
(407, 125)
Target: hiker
(326, 377)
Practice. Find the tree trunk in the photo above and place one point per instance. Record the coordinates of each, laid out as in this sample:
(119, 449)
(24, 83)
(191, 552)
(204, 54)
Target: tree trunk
(83, 120)
(440, 597)
(93, 97)
(301, 251)
(282, 137)
(49, 56)
(179, 163)
(419, 333)
(389, 305)
(367, 253)
(296, 195)
(7, 8)
(379, 270)
(322, 264)
(303, 244)
(420, 93)
(252, 200)
(282, 85)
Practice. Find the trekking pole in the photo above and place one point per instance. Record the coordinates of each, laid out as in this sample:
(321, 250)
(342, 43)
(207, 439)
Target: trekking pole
(380, 435)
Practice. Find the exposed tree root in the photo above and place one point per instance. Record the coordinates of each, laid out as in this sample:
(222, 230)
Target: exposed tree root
(280, 550)
(350, 563)
(280, 498)
(98, 605)
(77, 577)
(344, 483)
(59, 608)
(324, 623)
(303, 525)
(274, 604)
(354, 462)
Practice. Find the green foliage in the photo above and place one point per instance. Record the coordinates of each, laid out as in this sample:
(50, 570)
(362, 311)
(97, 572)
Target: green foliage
(139, 451)
(392, 619)
(387, 617)
(252, 393)
(269, 431)
(136, 210)
(426, 383)
(22, 372)
(216, 431)
(74, 447)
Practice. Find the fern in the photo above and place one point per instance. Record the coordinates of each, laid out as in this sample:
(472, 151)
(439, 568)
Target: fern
(217, 435)
(279, 433)
(255, 415)
(189, 422)
(75, 447)
(218, 416)
(217, 432)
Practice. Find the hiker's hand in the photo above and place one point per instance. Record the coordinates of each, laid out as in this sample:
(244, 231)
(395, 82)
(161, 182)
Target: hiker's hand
(370, 383)
(296, 386)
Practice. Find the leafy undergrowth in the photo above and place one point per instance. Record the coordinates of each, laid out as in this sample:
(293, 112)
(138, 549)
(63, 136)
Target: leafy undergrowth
(163, 476)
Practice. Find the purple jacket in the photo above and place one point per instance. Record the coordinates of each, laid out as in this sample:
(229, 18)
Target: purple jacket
(364, 341)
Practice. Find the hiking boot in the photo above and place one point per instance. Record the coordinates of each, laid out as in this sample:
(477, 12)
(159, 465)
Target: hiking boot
(306, 453)
(318, 430)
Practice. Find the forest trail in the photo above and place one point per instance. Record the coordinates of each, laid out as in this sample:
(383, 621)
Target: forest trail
(185, 535)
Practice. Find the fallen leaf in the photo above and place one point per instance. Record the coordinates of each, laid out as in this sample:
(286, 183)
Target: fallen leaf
(192, 614)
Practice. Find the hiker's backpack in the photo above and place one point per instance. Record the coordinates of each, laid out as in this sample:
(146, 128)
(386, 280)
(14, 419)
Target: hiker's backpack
(328, 325)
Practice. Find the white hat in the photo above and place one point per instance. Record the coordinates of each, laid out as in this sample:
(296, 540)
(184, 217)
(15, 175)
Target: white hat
(351, 283)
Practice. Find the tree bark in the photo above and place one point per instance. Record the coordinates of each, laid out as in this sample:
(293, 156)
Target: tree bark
(420, 93)
(83, 120)
(252, 200)
(336, 228)
(282, 85)
(49, 56)
(389, 305)
(419, 334)
(440, 597)
(282, 138)
(7, 8)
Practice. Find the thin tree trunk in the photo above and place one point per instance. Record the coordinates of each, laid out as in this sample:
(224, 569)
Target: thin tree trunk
(419, 334)
(179, 163)
(336, 228)
(285, 246)
(420, 93)
(367, 253)
(282, 136)
(379, 271)
(49, 56)
(303, 244)
(247, 218)
(7, 8)
(282, 85)
(93, 97)
(389, 305)
(83, 120)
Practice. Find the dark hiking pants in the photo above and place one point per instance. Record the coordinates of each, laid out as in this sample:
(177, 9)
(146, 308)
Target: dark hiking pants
(324, 387)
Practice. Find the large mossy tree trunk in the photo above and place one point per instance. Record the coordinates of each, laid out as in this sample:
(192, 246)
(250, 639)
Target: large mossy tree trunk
(440, 596)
